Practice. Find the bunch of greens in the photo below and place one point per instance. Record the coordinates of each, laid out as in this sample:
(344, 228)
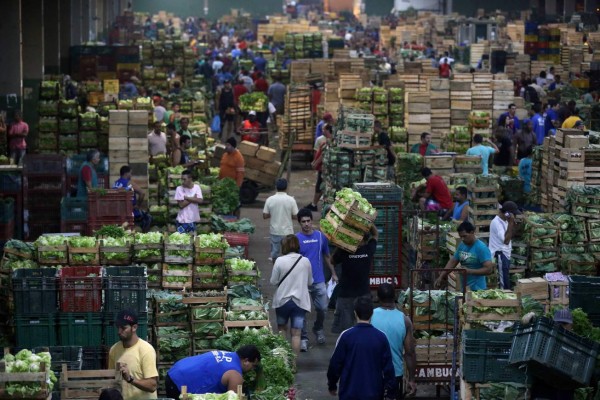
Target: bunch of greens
(180, 239)
(168, 302)
(235, 251)
(570, 228)
(113, 231)
(230, 395)
(503, 391)
(396, 95)
(256, 101)
(349, 197)
(246, 315)
(115, 242)
(244, 291)
(239, 264)
(208, 312)
(437, 304)
(26, 361)
(51, 241)
(243, 225)
(18, 264)
(244, 302)
(148, 238)
(277, 358)
(578, 264)
(225, 196)
(22, 247)
(82, 242)
(173, 343)
(212, 270)
(204, 329)
(494, 294)
(211, 241)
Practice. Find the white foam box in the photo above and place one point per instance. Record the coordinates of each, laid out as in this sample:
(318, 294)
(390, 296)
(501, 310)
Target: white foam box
(119, 117)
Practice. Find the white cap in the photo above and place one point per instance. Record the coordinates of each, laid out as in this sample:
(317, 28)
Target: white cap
(252, 113)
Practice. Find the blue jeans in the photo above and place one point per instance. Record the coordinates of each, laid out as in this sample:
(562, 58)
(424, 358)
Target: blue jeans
(290, 312)
(503, 267)
(318, 294)
(276, 246)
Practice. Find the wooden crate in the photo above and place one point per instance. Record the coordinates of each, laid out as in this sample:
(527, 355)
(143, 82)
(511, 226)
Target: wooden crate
(434, 351)
(152, 246)
(558, 293)
(470, 164)
(439, 162)
(342, 228)
(471, 315)
(44, 259)
(80, 385)
(352, 211)
(125, 250)
(40, 378)
(172, 259)
(537, 288)
(170, 272)
(74, 251)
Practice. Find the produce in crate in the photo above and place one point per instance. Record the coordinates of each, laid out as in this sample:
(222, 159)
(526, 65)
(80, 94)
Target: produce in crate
(26, 361)
(177, 238)
(83, 242)
(173, 343)
(211, 241)
(51, 241)
(396, 95)
(148, 238)
(230, 395)
(256, 101)
(225, 196)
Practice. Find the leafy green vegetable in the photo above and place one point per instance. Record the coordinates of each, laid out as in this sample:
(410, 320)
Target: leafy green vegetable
(26, 361)
(230, 395)
(225, 196)
(238, 264)
(211, 241)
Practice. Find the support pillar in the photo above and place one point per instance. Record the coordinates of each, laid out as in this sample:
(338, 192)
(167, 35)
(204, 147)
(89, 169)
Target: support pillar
(569, 8)
(10, 58)
(33, 68)
(52, 36)
(551, 7)
(65, 30)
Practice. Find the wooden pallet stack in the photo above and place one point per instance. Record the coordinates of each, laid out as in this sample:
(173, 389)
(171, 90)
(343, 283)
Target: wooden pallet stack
(591, 160)
(477, 52)
(568, 164)
(410, 80)
(503, 95)
(332, 102)
(461, 102)
(298, 71)
(207, 315)
(484, 203)
(347, 88)
(418, 110)
(297, 117)
(439, 92)
(261, 166)
(482, 91)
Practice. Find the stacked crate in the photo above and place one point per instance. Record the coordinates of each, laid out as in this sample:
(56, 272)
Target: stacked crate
(177, 268)
(461, 102)
(439, 91)
(484, 203)
(592, 166)
(425, 243)
(348, 85)
(206, 315)
(297, 118)
(68, 126)
(482, 91)
(48, 122)
(542, 240)
(113, 207)
(418, 108)
(568, 165)
(260, 164)
(332, 102)
(88, 132)
(44, 186)
(503, 95)
(442, 165)
(209, 267)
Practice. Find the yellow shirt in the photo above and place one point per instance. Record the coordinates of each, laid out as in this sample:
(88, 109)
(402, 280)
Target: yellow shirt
(570, 122)
(141, 361)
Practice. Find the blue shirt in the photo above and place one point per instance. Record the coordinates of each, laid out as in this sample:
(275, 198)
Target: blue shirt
(391, 322)
(538, 128)
(260, 63)
(203, 373)
(525, 173)
(319, 130)
(484, 152)
(458, 209)
(550, 116)
(516, 123)
(314, 247)
(473, 257)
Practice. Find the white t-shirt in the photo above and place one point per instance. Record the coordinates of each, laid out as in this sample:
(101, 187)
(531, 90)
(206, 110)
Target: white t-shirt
(190, 213)
(498, 229)
(281, 206)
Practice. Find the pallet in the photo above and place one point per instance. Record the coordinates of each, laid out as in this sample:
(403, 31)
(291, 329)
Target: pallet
(80, 385)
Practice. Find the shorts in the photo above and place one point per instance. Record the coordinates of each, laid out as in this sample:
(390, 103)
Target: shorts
(276, 246)
(319, 182)
(186, 227)
(290, 311)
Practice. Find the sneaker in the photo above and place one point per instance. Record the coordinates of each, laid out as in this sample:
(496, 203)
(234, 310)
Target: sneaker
(304, 345)
(311, 207)
(271, 259)
(320, 337)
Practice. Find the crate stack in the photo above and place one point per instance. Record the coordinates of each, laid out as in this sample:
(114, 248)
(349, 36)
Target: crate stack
(150, 255)
(297, 117)
(482, 91)
(442, 165)
(458, 139)
(348, 85)
(48, 122)
(547, 174)
(209, 266)
(178, 259)
(484, 202)
(418, 109)
(591, 166)
(44, 186)
(503, 95)
(541, 234)
(569, 164)
(243, 313)
(68, 126)
(260, 163)
(332, 102)
(207, 319)
(88, 131)
(461, 100)
(439, 91)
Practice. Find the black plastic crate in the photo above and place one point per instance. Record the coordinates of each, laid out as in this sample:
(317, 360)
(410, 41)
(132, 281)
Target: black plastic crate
(584, 293)
(110, 333)
(35, 291)
(485, 358)
(94, 357)
(125, 271)
(379, 192)
(125, 293)
(10, 182)
(70, 355)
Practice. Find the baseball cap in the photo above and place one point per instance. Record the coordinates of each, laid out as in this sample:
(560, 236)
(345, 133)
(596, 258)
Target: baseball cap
(126, 317)
(578, 123)
(563, 316)
(327, 116)
(252, 113)
(232, 142)
(281, 184)
(511, 207)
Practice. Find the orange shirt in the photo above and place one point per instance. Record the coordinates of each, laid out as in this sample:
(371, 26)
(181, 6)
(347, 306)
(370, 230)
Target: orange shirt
(232, 166)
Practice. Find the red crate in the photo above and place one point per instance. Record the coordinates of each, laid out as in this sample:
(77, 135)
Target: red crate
(117, 203)
(80, 292)
(73, 226)
(7, 230)
(238, 239)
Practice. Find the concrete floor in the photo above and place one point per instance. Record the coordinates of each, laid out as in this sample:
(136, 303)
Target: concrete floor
(311, 377)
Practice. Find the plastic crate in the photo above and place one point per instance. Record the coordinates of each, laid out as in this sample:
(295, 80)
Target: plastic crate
(35, 330)
(74, 163)
(10, 182)
(94, 357)
(7, 210)
(80, 329)
(125, 271)
(78, 291)
(35, 291)
(379, 192)
(554, 354)
(113, 204)
(485, 358)
(70, 355)
(125, 292)
(72, 226)
(73, 209)
(43, 164)
(110, 332)
(584, 293)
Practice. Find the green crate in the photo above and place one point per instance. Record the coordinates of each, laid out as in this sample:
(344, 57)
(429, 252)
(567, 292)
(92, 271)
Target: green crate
(7, 210)
(35, 291)
(554, 354)
(110, 332)
(35, 330)
(73, 209)
(80, 329)
(485, 358)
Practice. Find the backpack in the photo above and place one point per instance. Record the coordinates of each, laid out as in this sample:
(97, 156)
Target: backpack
(531, 95)
(445, 69)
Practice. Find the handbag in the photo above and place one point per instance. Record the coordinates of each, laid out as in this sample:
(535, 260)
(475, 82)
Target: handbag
(215, 125)
(286, 275)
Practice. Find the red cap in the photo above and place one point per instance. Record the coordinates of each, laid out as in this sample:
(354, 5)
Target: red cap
(327, 116)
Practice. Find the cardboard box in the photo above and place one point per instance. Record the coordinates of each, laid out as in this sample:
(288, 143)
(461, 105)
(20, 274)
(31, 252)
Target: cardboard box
(272, 168)
(138, 145)
(266, 154)
(138, 117)
(254, 163)
(118, 144)
(138, 131)
(259, 177)
(248, 148)
(117, 131)
(118, 117)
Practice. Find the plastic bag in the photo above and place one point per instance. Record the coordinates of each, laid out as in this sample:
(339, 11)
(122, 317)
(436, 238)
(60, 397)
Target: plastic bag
(215, 125)
(330, 286)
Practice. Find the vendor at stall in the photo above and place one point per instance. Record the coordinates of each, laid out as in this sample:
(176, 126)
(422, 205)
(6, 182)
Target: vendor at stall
(88, 179)
(473, 255)
(212, 372)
